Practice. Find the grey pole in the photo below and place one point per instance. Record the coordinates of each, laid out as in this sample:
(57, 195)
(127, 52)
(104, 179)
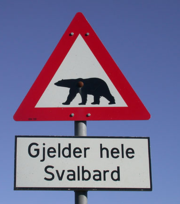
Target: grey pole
(80, 129)
(80, 197)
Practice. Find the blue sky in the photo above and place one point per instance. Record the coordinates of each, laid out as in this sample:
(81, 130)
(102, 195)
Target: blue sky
(143, 39)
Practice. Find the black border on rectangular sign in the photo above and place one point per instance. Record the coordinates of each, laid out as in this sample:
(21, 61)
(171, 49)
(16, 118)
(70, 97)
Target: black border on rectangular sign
(86, 189)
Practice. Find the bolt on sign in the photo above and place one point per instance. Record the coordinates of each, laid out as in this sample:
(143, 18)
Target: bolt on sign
(88, 163)
(81, 81)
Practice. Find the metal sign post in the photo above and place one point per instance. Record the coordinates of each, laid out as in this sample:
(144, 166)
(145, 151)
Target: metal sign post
(80, 129)
(94, 73)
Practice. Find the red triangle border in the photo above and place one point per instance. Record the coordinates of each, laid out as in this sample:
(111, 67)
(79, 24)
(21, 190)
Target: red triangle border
(79, 25)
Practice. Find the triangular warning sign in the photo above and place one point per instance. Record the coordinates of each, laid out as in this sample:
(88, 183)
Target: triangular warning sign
(81, 81)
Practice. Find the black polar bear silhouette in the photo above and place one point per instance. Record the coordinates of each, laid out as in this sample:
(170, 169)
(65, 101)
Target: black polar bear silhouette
(93, 86)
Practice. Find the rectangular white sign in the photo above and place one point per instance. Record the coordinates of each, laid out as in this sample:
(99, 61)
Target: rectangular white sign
(89, 163)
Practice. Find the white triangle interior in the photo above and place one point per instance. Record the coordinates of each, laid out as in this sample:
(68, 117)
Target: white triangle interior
(80, 62)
